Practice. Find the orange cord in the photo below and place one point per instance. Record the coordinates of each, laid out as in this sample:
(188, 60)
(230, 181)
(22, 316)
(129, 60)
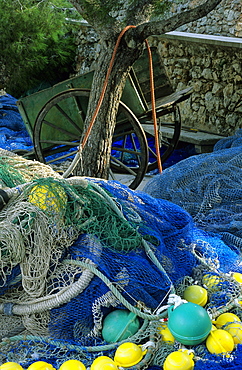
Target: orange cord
(104, 86)
(84, 141)
(152, 92)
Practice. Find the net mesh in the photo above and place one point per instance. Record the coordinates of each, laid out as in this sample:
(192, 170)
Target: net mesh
(13, 133)
(208, 187)
(74, 250)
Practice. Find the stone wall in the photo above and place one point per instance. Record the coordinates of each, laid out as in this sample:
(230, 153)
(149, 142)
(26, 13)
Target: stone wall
(214, 69)
(224, 20)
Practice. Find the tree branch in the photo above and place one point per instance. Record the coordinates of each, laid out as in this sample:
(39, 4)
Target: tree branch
(141, 32)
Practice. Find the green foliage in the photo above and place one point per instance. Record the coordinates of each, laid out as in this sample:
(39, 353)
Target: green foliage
(37, 44)
(105, 15)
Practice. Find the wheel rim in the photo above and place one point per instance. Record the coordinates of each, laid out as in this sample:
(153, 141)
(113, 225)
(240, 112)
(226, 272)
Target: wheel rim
(59, 126)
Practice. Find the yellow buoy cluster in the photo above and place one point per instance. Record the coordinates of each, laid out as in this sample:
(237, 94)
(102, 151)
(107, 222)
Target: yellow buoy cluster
(224, 334)
(188, 324)
(227, 333)
(127, 354)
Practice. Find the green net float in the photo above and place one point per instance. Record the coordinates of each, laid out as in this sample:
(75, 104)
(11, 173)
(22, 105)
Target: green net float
(128, 354)
(189, 323)
(41, 365)
(179, 361)
(119, 325)
(225, 319)
(10, 366)
(235, 329)
(219, 342)
(196, 294)
(103, 363)
(72, 365)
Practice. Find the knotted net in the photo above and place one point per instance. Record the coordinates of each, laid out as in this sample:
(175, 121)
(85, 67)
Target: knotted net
(74, 250)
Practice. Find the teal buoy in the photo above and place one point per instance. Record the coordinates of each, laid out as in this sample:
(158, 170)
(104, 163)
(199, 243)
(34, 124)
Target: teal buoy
(189, 323)
(119, 325)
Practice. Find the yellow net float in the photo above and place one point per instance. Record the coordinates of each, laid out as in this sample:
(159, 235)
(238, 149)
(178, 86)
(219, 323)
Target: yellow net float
(128, 354)
(103, 363)
(238, 277)
(10, 366)
(211, 281)
(41, 365)
(72, 365)
(196, 294)
(225, 319)
(235, 329)
(219, 342)
(48, 197)
(179, 360)
(166, 334)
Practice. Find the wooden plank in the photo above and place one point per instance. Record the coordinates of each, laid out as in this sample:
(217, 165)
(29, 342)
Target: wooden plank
(161, 82)
(203, 141)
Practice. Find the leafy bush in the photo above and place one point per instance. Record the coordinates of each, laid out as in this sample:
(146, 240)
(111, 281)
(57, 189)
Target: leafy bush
(37, 43)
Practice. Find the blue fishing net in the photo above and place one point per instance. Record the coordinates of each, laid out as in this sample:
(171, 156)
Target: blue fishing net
(170, 248)
(13, 133)
(147, 245)
(208, 187)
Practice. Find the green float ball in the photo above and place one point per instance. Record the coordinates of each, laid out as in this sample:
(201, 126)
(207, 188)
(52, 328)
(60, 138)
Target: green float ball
(119, 325)
(189, 323)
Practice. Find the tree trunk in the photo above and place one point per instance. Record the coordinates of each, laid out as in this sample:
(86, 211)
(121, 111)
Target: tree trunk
(96, 152)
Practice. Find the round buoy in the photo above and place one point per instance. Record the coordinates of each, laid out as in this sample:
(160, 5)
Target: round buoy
(238, 277)
(128, 354)
(41, 365)
(48, 198)
(166, 334)
(72, 365)
(119, 325)
(10, 366)
(179, 361)
(196, 294)
(235, 329)
(211, 281)
(219, 341)
(189, 323)
(103, 363)
(225, 319)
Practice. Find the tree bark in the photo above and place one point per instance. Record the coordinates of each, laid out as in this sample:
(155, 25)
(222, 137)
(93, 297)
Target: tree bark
(144, 30)
(96, 153)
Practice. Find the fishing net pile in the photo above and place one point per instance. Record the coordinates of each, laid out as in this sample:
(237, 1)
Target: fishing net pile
(13, 133)
(209, 188)
(74, 251)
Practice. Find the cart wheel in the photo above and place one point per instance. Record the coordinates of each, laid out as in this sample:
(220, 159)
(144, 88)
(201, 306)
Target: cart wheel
(167, 146)
(59, 126)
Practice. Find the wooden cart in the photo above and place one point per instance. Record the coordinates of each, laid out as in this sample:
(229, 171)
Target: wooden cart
(54, 118)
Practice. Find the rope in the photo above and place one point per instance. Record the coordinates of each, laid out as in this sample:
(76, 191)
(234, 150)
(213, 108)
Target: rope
(104, 86)
(88, 131)
(153, 258)
(77, 348)
(152, 92)
(115, 291)
(48, 302)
